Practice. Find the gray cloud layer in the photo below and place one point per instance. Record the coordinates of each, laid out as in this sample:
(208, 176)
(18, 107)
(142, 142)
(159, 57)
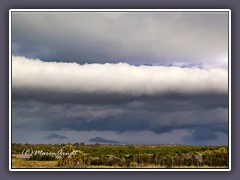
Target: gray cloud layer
(135, 38)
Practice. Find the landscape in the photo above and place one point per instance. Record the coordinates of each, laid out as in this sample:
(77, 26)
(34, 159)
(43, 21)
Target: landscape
(79, 155)
(140, 90)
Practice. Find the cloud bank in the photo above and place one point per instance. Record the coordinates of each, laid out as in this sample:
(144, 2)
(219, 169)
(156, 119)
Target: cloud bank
(130, 37)
(35, 75)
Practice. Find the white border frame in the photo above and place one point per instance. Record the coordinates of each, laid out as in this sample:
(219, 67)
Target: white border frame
(122, 10)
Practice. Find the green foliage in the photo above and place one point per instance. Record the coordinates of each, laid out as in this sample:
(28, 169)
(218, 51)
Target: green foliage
(131, 156)
(71, 157)
(39, 157)
(133, 164)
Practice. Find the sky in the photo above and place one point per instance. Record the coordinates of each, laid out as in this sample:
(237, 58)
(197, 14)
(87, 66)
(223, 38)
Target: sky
(120, 77)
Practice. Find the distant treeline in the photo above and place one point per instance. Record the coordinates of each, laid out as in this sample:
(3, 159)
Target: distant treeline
(129, 155)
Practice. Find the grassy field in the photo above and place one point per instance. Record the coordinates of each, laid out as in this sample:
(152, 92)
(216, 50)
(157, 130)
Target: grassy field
(24, 163)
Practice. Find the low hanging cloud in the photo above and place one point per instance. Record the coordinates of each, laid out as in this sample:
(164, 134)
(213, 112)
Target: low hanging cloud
(54, 136)
(99, 139)
(29, 76)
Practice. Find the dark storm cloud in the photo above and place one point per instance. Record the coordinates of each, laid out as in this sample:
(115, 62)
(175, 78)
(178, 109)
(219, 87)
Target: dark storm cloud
(206, 134)
(54, 136)
(103, 140)
(209, 132)
(135, 38)
(201, 132)
(167, 103)
(75, 98)
(203, 115)
(159, 116)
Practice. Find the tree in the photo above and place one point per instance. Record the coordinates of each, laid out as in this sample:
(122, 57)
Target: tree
(209, 154)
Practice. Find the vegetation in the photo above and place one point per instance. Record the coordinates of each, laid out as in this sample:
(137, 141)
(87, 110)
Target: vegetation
(78, 155)
(38, 157)
(24, 163)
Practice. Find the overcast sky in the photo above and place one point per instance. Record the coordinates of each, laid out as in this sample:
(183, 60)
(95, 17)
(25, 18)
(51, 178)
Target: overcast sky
(120, 77)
